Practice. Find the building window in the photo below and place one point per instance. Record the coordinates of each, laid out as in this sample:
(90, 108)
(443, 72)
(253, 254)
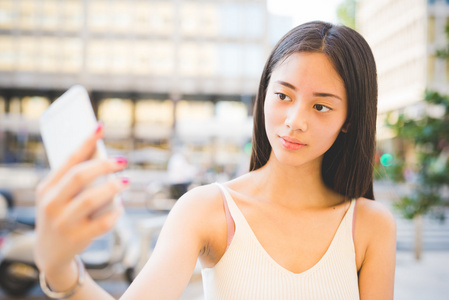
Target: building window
(73, 15)
(253, 60)
(431, 68)
(188, 59)
(33, 107)
(231, 111)
(49, 56)
(71, 55)
(154, 119)
(98, 56)
(431, 29)
(28, 19)
(8, 17)
(49, 18)
(2, 106)
(7, 53)
(117, 115)
(231, 20)
(15, 106)
(26, 54)
(194, 111)
(162, 18)
(161, 63)
(154, 112)
(231, 60)
(447, 69)
(254, 21)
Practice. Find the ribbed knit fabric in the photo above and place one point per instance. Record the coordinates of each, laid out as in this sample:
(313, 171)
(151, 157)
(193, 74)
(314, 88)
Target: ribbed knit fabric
(247, 271)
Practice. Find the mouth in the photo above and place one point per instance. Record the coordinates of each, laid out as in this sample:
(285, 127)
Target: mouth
(291, 143)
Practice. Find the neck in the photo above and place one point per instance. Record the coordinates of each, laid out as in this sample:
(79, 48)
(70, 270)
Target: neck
(298, 187)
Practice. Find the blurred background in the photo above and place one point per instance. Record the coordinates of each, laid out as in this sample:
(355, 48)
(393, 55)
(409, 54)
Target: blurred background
(174, 83)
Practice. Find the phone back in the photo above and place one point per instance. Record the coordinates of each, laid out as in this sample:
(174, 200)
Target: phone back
(66, 124)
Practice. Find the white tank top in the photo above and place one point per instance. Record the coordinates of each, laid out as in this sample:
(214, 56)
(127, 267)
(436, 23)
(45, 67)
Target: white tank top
(247, 271)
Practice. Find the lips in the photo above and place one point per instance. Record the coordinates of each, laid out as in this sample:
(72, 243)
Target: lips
(291, 143)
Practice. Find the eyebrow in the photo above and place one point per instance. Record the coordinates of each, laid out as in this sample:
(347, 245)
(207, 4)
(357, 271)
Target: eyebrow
(327, 95)
(291, 86)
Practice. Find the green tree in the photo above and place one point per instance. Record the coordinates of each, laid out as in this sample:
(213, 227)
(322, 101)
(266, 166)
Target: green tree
(429, 134)
(346, 13)
(430, 137)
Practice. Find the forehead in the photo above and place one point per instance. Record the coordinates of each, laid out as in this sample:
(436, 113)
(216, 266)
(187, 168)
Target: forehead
(314, 69)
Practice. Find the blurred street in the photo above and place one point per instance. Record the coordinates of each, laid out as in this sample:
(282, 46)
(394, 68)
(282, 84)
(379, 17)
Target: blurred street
(179, 79)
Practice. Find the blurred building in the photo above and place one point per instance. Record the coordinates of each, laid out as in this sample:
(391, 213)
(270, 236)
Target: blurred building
(404, 36)
(154, 69)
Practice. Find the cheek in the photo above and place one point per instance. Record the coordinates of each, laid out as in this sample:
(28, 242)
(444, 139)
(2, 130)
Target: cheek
(329, 135)
(272, 116)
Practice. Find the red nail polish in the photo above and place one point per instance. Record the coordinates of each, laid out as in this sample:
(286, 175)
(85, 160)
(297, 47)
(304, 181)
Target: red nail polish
(99, 127)
(125, 180)
(121, 160)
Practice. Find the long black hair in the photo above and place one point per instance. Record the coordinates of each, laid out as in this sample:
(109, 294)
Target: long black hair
(347, 166)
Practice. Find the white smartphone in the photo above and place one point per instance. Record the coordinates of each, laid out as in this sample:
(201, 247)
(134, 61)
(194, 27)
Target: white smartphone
(65, 125)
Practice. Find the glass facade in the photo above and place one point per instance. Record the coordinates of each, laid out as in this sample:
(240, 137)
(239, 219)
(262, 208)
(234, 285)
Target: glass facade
(153, 38)
(151, 66)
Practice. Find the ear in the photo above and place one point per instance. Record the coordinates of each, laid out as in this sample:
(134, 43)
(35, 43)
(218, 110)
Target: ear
(345, 127)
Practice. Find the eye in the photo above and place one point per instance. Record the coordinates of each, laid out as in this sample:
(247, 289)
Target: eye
(321, 108)
(283, 97)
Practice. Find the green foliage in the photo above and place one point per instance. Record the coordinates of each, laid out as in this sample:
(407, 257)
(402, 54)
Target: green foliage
(420, 204)
(430, 136)
(395, 171)
(346, 13)
(444, 53)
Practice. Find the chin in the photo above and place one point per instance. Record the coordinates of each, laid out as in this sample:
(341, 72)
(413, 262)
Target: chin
(294, 160)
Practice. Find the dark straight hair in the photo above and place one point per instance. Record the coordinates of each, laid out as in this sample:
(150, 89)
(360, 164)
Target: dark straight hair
(347, 166)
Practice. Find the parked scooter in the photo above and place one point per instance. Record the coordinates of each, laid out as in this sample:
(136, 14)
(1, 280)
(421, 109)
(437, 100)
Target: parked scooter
(118, 252)
(18, 273)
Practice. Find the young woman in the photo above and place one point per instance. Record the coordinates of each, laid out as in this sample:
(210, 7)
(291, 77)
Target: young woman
(300, 225)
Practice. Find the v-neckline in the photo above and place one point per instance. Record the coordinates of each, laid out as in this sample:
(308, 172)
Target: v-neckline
(264, 251)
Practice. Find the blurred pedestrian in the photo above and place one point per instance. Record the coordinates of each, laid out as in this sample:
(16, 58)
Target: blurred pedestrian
(180, 173)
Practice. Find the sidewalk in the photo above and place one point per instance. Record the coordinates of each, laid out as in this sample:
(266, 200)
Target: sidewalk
(427, 279)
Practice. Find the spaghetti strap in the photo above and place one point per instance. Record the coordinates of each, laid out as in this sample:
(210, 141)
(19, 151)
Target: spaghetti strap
(229, 220)
(353, 218)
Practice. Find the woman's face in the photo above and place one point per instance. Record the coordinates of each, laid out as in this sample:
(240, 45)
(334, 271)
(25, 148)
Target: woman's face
(305, 108)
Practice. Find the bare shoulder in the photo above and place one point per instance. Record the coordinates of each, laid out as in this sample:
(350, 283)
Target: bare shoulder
(200, 201)
(374, 221)
(199, 212)
(204, 195)
(374, 212)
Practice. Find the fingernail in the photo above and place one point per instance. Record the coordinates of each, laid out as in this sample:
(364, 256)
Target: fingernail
(125, 180)
(99, 127)
(121, 160)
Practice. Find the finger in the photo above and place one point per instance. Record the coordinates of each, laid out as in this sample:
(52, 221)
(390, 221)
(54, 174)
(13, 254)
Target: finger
(91, 200)
(77, 238)
(83, 174)
(93, 228)
(83, 153)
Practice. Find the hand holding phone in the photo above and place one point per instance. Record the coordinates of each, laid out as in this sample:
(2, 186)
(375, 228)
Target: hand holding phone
(65, 125)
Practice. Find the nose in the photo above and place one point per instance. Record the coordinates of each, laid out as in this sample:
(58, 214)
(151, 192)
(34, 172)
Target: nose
(297, 117)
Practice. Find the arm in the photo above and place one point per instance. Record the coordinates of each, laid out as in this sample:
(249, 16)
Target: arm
(63, 225)
(378, 232)
(65, 229)
(184, 235)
